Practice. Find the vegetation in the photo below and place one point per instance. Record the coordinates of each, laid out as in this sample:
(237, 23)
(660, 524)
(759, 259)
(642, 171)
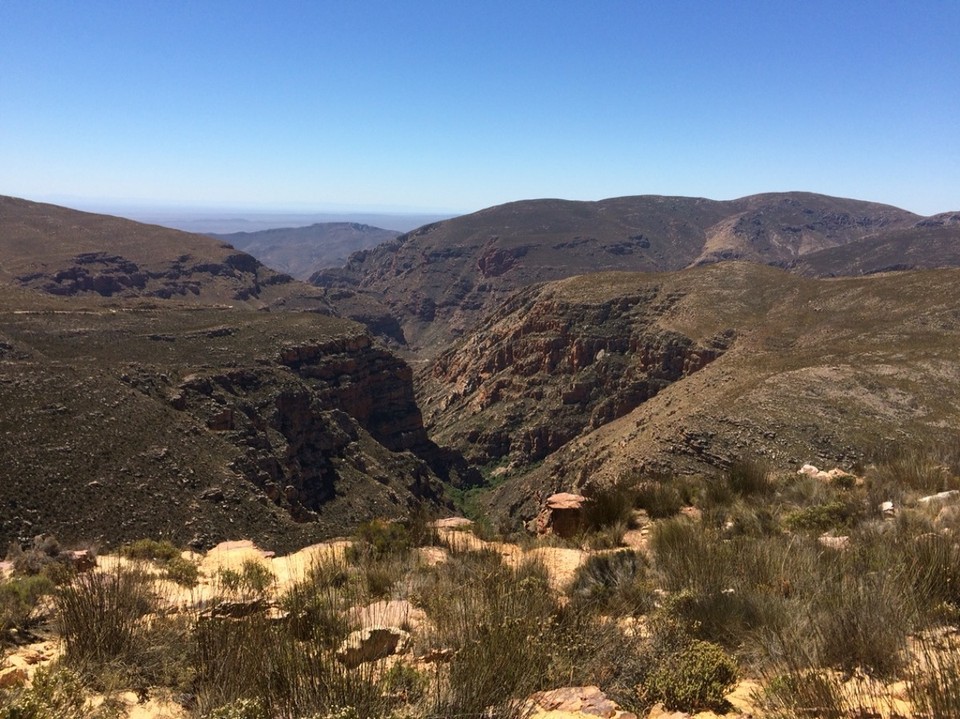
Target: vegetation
(829, 628)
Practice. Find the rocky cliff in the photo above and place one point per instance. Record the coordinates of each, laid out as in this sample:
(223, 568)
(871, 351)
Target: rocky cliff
(588, 379)
(546, 369)
(202, 424)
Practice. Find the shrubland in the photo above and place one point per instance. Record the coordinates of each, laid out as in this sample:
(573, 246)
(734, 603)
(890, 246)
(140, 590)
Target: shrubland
(833, 605)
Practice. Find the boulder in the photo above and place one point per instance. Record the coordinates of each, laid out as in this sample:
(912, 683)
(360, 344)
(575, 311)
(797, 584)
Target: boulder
(950, 496)
(453, 523)
(562, 515)
(572, 702)
(371, 644)
(13, 677)
(392, 613)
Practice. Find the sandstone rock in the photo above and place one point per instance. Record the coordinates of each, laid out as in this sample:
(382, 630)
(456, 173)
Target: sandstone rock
(572, 702)
(838, 543)
(952, 495)
(371, 644)
(453, 523)
(83, 560)
(13, 677)
(562, 515)
(393, 613)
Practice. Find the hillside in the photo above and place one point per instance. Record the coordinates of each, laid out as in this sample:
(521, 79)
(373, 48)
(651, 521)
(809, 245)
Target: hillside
(71, 253)
(442, 279)
(159, 383)
(930, 243)
(303, 251)
(585, 379)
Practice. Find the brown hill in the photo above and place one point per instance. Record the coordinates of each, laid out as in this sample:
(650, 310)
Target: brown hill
(153, 385)
(441, 279)
(303, 251)
(930, 243)
(587, 378)
(67, 252)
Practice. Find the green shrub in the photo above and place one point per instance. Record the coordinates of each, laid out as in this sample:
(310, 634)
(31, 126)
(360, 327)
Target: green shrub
(749, 477)
(241, 709)
(56, 693)
(609, 505)
(822, 517)
(150, 550)
(694, 677)
(659, 499)
(499, 622)
(252, 578)
(182, 571)
(19, 597)
(380, 538)
(98, 616)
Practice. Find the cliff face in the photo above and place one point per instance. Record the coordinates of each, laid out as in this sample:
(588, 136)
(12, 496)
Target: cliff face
(200, 425)
(545, 370)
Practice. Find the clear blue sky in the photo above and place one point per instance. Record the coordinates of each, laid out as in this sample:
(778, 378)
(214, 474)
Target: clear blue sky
(456, 105)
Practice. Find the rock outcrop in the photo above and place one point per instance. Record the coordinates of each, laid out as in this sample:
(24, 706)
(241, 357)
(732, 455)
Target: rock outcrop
(546, 369)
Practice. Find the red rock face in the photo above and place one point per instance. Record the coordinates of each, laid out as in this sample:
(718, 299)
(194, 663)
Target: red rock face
(544, 370)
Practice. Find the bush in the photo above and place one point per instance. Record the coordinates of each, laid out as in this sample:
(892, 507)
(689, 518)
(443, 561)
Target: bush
(608, 506)
(150, 550)
(499, 622)
(823, 517)
(693, 677)
(19, 597)
(99, 613)
(380, 538)
(616, 580)
(241, 709)
(749, 477)
(54, 694)
(182, 571)
(659, 500)
(252, 578)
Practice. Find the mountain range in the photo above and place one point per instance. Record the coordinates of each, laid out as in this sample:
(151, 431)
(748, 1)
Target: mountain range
(541, 344)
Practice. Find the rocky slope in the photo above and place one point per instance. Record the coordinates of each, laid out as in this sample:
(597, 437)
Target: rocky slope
(302, 251)
(589, 378)
(70, 253)
(442, 279)
(159, 383)
(928, 244)
(199, 424)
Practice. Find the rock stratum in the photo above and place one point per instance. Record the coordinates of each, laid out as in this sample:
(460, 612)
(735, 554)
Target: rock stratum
(588, 379)
(145, 396)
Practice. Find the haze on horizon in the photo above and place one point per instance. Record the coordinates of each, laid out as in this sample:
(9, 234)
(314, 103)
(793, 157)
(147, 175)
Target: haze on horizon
(445, 108)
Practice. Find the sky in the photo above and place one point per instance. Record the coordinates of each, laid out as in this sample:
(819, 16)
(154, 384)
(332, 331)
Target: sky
(452, 106)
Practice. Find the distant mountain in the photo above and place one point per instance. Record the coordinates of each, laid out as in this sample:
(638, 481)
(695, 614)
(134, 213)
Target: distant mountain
(441, 279)
(67, 252)
(930, 243)
(303, 251)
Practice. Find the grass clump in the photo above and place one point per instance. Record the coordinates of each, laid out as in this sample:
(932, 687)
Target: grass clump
(150, 550)
(253, 578)
(615, 581)
(380, 538)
